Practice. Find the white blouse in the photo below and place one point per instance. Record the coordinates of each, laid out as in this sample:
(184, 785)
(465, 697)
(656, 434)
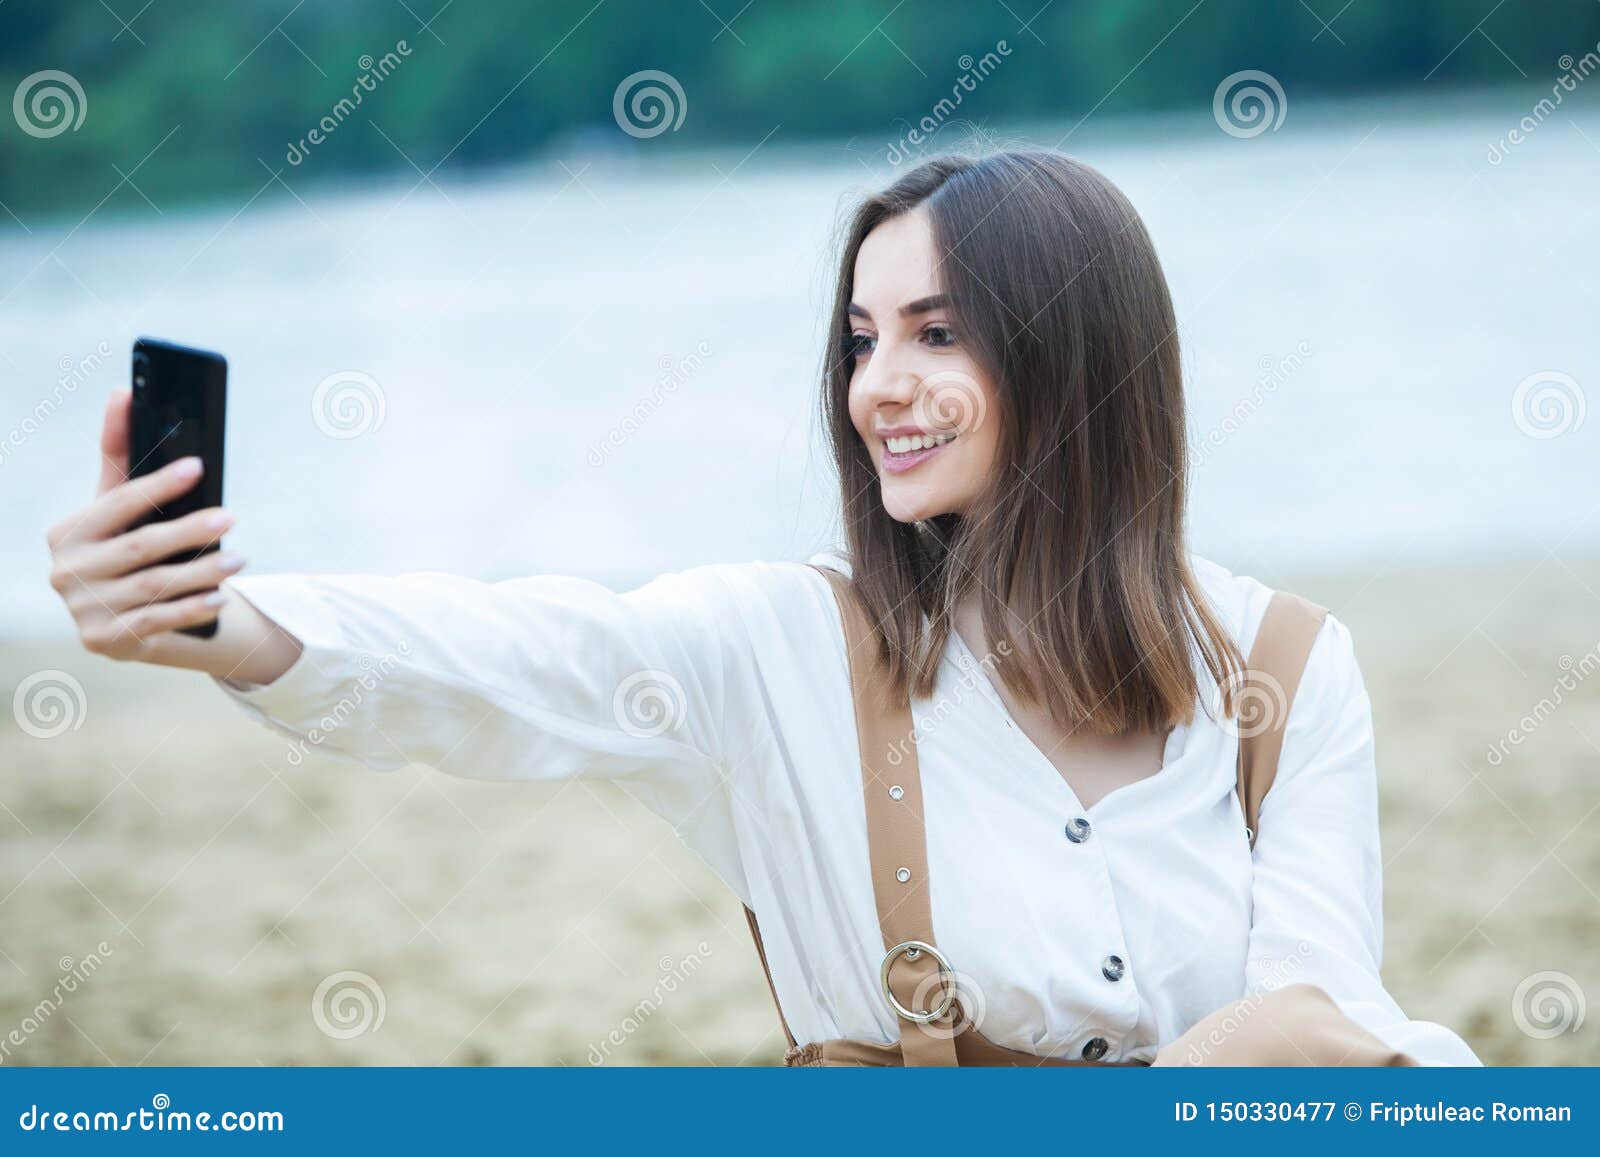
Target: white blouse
(720, 698)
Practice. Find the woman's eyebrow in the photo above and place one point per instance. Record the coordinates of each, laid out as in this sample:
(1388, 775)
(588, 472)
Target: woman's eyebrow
(909, 309)
(924, 305)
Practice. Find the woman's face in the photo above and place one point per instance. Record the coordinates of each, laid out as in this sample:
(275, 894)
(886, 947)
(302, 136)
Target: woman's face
(918, 401)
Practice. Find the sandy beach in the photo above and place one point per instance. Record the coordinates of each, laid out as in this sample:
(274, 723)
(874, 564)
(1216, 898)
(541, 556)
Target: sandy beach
(177, 891)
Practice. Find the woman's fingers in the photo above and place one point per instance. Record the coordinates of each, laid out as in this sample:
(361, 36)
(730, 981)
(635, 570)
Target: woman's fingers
(126, 503)
(160, 583)
(124, 636)
(114, 441)
(94, 562)
(110, 565)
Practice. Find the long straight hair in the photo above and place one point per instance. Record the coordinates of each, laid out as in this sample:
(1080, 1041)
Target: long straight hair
(1076, 549)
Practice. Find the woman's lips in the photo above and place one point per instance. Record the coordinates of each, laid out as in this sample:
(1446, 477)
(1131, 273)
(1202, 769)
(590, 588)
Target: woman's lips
(899, 463)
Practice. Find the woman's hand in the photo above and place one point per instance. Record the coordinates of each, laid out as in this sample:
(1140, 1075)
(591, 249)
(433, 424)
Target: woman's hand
(1299, 1024)
(126, 603)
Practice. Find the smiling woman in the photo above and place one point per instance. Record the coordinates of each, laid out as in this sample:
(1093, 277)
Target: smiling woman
(995, 782)
(923, 373)
(1021, 397)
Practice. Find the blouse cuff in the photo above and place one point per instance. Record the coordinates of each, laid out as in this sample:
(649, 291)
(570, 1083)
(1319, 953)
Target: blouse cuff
(1423, 1041)
(326, 670)
(1426, 1042)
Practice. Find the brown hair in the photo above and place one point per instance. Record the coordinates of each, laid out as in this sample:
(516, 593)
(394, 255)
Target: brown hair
(1076, 550)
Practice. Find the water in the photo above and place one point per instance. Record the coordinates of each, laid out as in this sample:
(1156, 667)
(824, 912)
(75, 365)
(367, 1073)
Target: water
(665, 321)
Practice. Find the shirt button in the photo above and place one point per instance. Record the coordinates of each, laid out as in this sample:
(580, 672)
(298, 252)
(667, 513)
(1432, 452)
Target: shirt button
(1112, 968)
(1078, 830)
(1095, 1049)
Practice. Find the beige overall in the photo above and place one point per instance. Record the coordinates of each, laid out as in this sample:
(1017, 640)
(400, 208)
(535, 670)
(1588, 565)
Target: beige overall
(1299, 1025)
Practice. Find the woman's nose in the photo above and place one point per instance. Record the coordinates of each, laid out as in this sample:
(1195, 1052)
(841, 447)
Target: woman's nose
(888, 381)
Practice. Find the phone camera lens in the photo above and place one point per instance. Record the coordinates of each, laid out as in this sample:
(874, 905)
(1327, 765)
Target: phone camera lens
(138, 381)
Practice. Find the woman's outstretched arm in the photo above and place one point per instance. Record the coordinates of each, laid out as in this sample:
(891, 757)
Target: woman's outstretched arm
(126, 608)
(536, 678)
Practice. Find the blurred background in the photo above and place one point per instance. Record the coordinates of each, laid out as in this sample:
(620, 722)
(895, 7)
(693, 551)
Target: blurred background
(504, 290)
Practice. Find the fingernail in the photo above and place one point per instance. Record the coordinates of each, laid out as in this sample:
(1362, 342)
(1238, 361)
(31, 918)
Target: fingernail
(189, 467)
(215, 599)
(221, 520)
(230, 562)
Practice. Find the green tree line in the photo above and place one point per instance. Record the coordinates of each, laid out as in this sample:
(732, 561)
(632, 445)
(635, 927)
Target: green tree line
(196, 100)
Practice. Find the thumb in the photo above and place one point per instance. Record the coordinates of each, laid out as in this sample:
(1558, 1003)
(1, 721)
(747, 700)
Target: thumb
(114, 440)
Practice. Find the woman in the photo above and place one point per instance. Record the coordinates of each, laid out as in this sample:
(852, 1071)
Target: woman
(1004, 399)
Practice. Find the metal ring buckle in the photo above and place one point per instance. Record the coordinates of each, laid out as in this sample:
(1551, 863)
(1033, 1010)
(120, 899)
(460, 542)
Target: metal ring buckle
(946, 976)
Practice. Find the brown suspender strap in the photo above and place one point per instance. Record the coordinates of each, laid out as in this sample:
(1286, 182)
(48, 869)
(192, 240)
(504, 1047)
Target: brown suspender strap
(761, 951)
(1277, 660)
(892, 790)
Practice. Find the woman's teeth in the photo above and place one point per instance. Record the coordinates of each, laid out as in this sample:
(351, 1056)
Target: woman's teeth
(911, 443)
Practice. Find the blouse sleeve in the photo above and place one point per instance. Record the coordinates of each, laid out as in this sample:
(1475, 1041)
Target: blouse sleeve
(537, 678)
(1317, 891)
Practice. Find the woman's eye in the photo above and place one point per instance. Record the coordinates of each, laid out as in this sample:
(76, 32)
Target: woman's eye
(939, 336)
(859, 345)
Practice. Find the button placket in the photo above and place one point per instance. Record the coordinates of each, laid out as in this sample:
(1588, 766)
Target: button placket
(1119, 1001)
(1117, 1011)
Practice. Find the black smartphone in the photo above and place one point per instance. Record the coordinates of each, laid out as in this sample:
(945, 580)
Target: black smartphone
(179, 400)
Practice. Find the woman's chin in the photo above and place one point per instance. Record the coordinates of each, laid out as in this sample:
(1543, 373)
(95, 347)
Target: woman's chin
(912, 504)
